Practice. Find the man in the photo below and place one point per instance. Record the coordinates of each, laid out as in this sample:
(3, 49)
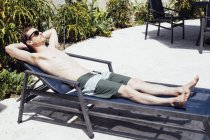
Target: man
(105, 85)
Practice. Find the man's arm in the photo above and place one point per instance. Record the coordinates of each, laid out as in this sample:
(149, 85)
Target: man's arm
(18, 51)
(51, 34)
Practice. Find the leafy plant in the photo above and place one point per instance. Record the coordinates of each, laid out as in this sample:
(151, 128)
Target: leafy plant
(120, 11)
(75, 20)
(141, 11)
(11, 83)
(100, 24)
(184, 6)
(80, 20)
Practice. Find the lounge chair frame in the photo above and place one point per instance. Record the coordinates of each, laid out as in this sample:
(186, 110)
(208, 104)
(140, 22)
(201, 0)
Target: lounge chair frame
(29, 94)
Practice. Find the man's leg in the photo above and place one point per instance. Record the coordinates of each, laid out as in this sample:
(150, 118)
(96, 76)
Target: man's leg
(128, 92)
(156, 89)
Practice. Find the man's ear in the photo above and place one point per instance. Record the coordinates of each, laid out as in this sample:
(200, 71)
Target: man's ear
(29, 42)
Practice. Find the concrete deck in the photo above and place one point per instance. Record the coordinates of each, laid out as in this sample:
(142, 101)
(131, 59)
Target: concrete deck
(154, 59)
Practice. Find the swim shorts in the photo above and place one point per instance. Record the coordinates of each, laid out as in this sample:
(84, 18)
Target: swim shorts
(104, 85)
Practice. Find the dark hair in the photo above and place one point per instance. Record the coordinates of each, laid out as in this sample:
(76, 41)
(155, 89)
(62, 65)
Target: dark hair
(24, 38)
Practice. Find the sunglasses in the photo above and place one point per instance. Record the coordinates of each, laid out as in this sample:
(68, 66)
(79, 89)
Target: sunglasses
(35, 33)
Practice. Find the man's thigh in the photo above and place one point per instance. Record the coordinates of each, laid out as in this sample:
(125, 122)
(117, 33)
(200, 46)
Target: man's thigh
(106, 89)
(119, 78)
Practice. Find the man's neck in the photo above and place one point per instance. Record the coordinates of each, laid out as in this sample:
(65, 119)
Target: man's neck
(40, 48)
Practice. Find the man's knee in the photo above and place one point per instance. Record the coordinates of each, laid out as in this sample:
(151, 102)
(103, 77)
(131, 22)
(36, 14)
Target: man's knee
(134, 82)
(125, 91)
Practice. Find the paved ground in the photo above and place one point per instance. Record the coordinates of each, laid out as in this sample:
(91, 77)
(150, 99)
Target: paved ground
(154, 59)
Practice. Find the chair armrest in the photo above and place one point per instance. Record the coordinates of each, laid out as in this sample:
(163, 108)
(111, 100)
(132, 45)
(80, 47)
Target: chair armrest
(109, 63)
(38, 74)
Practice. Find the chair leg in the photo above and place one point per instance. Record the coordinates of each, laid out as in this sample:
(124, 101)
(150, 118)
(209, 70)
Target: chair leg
(172, 33)
(23, 98)
(201, 36)
(158, 33)
(85, 113)
(198, 39)
(146, 31)
(206, 125)
(183, 30)
(200, 50)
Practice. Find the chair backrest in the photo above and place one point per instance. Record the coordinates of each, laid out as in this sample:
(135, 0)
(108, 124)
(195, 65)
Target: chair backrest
(156, 5)
(53, 84)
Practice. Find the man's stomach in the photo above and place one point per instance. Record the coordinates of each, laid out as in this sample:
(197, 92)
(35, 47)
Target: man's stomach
(67, 70)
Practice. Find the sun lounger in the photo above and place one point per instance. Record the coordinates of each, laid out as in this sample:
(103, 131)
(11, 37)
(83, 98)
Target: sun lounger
(197, 107)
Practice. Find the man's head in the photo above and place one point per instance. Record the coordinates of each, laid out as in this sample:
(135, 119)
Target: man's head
(32, 38)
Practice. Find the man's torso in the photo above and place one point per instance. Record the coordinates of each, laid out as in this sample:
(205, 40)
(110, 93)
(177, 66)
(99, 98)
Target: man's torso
(58, 63)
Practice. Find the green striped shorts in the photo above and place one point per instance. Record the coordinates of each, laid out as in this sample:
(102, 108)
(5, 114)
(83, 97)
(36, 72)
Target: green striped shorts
(103, 85)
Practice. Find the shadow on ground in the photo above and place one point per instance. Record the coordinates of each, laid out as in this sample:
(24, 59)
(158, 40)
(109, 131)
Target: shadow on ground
(2, 107)
(191, 36)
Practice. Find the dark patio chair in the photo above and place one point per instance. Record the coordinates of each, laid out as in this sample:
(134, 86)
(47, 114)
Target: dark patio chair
(204, 28)
(197, 107)
(158, 14)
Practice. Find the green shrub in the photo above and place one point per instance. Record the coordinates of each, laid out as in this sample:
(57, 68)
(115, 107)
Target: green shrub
(100, 24)
(74, 18)
(141, 11)
(120, 11)
(80, 21)
(11, 83)
(184, 6)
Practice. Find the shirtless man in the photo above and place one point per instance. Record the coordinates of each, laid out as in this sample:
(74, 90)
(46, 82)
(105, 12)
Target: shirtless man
(105, 85)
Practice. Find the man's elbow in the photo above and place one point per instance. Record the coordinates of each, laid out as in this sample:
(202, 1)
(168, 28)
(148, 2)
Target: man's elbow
(9, 50)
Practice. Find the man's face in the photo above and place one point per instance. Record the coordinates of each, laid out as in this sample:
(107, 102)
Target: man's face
(35, 37)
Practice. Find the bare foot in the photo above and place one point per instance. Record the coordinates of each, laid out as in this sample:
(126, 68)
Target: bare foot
(179, 101)
(187, 88)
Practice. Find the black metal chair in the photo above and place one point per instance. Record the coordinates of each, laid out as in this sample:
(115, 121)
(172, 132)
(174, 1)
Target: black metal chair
(205, 28)
(159, 15)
